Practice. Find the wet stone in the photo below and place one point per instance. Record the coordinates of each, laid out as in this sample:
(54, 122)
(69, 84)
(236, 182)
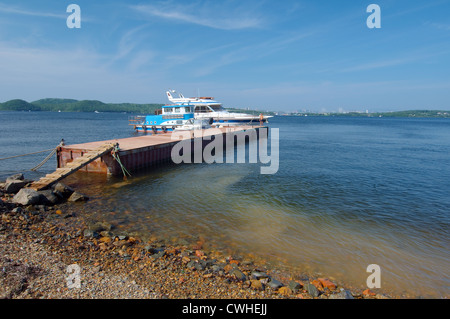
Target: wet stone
(63, 190)
(274, 284)
(98, 227)
(77, 197)
(344, 294)
(312, 290)
(294, 286)
(158, 255)
(256, 284)
(89, 233)
(259, 275)
(238, 274)
(285, 291)
(216, 268)
(199, 266)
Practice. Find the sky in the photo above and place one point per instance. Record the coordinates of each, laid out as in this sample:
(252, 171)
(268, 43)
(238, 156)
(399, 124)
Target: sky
(286, 55)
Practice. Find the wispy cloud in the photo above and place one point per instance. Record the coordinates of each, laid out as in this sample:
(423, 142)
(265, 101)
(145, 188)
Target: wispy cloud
(16, 10)
(440, 26)
(207, 15)
(412, 57)
(253, 51)
(379, 64)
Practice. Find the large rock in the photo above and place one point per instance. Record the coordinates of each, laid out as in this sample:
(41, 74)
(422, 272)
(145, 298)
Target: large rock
(48, 197)
(27, 196)
(13, 186)
(15, 177)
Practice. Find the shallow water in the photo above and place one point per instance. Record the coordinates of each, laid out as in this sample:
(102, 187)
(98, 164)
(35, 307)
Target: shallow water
(349, 192)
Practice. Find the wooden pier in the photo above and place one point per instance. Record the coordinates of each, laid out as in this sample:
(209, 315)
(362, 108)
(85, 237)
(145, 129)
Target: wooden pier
(134, 152)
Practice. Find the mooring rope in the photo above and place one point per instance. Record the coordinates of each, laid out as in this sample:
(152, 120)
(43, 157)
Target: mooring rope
(48, 157)
(44, 161)
(115, 154)
(53, 151)
(5, 158)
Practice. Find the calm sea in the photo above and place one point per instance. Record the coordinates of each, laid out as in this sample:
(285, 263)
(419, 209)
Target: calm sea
(349, 192)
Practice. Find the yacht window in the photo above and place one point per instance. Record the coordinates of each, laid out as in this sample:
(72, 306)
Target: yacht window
(168, 110)
(177, 110)
(216, 107)
(187, 110)
(202, 109)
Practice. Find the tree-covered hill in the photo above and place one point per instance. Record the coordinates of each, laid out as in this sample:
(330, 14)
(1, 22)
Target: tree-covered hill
(70, 105)
(18, 105)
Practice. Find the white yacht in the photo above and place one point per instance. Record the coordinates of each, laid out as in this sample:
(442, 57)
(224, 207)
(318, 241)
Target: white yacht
(206, 107)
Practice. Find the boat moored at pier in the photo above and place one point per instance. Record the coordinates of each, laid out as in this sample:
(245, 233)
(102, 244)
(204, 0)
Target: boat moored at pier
(207, 107)
(165, 119)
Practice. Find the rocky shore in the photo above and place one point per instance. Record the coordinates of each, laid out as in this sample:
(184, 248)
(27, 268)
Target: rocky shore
(48, 252)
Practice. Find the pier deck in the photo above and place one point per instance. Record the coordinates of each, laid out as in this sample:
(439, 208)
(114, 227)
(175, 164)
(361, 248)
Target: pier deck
(136, 152)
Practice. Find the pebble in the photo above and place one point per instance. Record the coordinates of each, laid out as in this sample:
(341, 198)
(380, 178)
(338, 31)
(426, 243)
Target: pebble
(274, 284)
(294, 285)
(285, 291)
(326, 283)
(238, 274)
(259, 275)
(344, 294)
(256, 284)
(312, 290)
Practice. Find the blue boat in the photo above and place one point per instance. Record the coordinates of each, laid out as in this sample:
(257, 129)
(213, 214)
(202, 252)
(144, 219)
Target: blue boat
(168, 118)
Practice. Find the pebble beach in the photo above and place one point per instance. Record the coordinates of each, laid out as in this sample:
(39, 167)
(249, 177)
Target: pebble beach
(40, 241)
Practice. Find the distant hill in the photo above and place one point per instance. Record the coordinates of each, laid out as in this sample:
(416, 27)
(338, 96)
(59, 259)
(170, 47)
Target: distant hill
(411, 113)
(18, 105)
(70, 105)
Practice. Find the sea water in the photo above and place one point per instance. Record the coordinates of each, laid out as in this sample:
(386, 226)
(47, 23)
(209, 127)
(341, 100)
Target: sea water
(349, 192)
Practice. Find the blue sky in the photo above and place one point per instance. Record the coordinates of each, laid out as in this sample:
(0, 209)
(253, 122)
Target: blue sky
(278, 55)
